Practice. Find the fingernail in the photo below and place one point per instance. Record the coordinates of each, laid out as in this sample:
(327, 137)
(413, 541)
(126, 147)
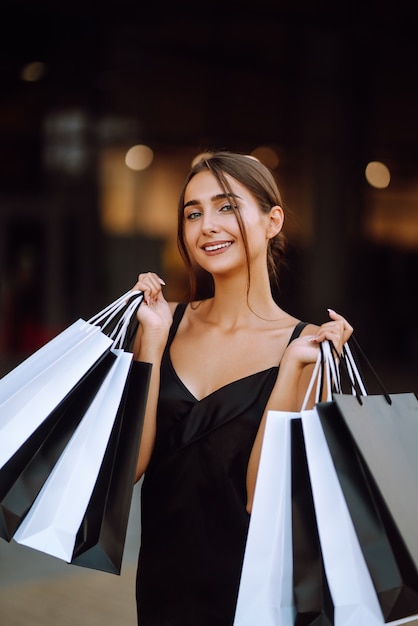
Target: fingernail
(162, 281)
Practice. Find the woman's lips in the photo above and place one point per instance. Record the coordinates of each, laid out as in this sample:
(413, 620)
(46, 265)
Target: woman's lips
(217, 246)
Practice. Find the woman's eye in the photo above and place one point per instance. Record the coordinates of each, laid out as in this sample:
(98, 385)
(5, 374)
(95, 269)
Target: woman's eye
(226, 208)
(194, 215)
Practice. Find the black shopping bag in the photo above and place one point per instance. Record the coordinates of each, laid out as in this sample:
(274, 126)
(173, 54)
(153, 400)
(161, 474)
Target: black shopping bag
(372, 439)
(23, 476)
(100, 541)
(313, 601)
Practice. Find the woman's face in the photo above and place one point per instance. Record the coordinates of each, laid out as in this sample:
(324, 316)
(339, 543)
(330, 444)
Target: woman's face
(211, 230)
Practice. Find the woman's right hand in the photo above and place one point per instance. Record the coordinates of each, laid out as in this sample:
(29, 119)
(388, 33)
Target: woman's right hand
(154, 314)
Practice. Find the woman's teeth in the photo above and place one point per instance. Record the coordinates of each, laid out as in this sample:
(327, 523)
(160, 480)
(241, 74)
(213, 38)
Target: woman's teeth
(217, 246)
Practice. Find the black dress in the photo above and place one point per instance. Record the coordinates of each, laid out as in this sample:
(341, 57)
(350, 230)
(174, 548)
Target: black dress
(193, 498)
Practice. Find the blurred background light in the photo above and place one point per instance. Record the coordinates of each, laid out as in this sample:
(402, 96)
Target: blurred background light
(266, 155)
(377, 174)
(139, 157)
(34, 71)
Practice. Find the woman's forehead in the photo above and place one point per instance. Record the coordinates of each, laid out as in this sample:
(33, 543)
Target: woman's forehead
(204, 186)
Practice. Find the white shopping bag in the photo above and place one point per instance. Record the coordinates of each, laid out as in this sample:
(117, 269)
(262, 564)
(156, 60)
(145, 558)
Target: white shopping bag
(266, 587)
(53, 521)
(44, 358)
(28, 407)
(32, 390)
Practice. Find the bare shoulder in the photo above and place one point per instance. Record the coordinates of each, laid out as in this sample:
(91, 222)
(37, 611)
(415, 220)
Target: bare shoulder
(288, 322)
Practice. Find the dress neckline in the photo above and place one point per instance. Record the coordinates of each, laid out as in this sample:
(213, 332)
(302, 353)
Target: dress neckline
(219, 389)
(177, 317)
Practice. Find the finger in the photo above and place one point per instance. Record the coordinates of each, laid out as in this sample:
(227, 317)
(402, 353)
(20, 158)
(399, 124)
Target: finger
(336, 316)
(347, 328)
(150, 276)
(332, 331)
(150, 284)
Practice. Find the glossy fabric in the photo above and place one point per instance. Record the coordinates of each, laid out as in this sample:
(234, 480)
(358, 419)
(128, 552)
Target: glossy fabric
(193, 499)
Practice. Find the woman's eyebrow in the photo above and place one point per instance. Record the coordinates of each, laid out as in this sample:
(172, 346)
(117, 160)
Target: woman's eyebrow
(219, 196)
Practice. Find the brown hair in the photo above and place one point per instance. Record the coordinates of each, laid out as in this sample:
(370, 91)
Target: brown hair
(259, 180)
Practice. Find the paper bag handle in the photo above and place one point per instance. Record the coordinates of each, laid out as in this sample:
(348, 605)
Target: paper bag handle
(325, 371)
(352, 370)
(119, 333)
(112, 309)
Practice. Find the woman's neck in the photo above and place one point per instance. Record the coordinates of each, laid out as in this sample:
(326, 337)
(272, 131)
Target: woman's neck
(234, 304)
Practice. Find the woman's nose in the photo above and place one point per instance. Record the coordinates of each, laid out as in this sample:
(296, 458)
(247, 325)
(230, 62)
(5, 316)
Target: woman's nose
(209, 223)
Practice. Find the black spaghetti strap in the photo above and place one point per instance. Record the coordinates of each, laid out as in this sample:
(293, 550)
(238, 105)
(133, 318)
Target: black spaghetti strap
(297, 331)
(177, 317)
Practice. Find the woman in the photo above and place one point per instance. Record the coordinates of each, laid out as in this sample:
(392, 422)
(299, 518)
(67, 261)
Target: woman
(215, 375)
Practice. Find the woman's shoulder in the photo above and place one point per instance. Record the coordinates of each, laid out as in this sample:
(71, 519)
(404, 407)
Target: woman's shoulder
(290, 322)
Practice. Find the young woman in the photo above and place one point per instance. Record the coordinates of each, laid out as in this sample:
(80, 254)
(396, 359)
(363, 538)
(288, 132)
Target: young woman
(219, 364)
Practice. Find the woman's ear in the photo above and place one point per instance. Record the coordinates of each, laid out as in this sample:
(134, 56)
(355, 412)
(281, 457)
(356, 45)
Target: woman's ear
(276, 219)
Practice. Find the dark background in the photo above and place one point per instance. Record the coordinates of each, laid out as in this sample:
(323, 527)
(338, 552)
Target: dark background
(331, 86)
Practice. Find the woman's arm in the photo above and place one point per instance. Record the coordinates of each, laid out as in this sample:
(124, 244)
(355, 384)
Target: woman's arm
(155, 318)
(292, 382)
(286, 396)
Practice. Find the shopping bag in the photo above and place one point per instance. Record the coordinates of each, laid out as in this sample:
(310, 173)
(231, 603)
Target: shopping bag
(100, 541)
(25, 407)
(265, 593)
(372, 439)
(353, 594)
(312, 596)
(52, 523)
(22, 477)
(283, 580)
(33, 433)
(32, 390)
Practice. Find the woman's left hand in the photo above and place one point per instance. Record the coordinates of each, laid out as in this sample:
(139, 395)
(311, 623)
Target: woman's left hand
(337, 330)
(304, 350)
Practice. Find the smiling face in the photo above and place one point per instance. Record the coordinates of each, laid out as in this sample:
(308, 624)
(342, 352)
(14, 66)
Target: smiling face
(246, 191)
(211, 226)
